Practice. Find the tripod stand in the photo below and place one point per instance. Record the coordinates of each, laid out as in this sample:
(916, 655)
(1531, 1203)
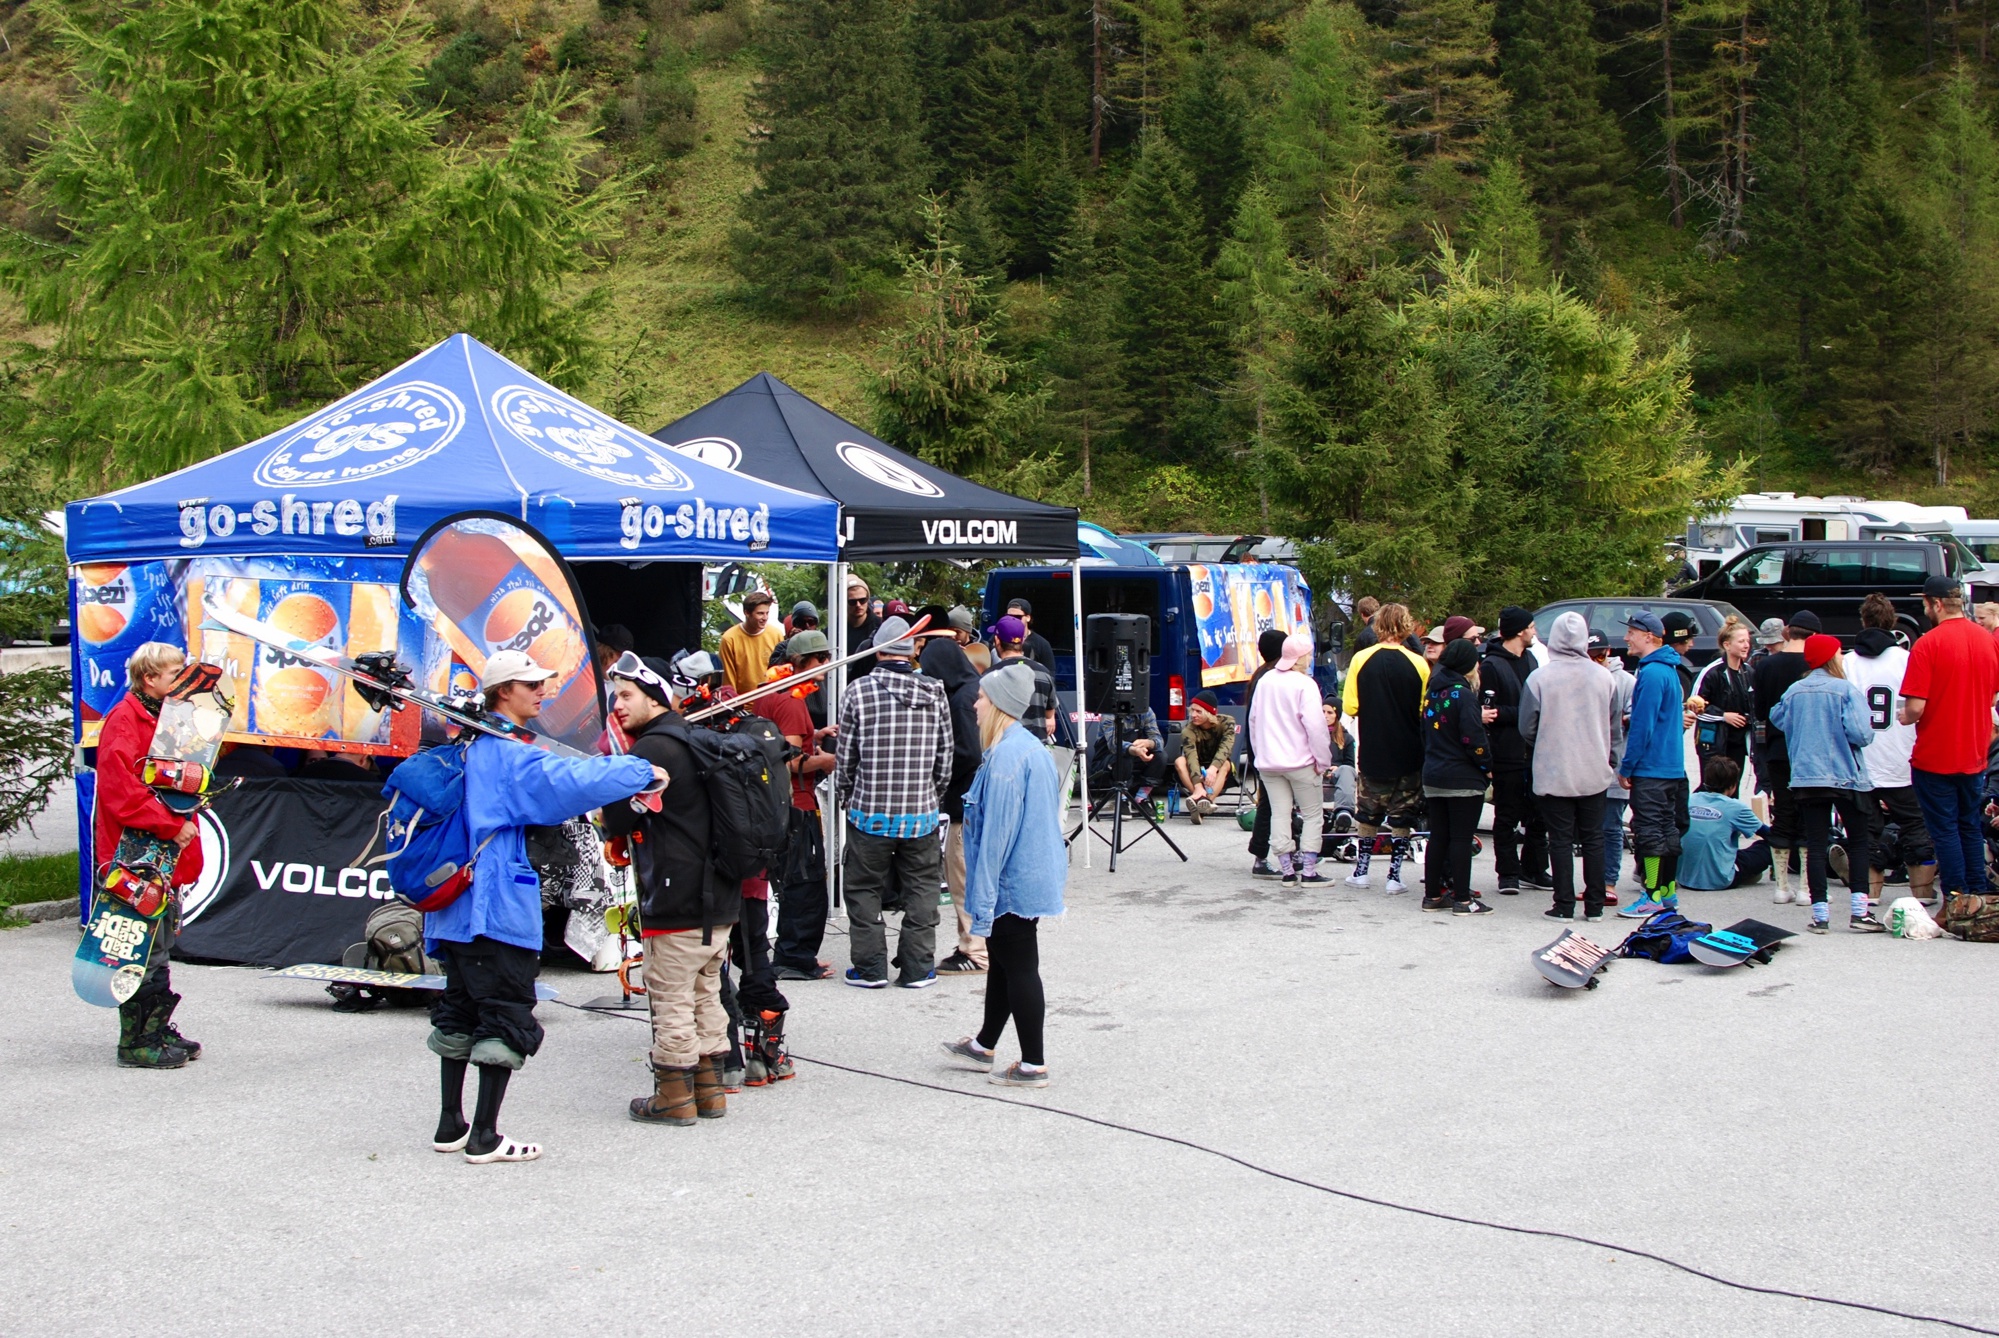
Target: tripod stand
(1120, 783)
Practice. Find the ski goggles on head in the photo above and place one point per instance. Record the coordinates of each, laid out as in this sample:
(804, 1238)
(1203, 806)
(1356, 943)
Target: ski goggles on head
(630, 667)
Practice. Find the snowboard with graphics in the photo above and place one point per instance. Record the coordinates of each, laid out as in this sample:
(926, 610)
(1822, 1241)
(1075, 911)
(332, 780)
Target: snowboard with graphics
(387, 980)
(1744, 941)
(110, 964)
(1572, 961)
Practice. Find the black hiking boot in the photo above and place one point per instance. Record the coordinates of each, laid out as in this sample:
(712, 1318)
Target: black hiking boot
(141, 1044)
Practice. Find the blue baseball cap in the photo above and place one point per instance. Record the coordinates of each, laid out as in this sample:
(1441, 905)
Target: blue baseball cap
(1647, 621)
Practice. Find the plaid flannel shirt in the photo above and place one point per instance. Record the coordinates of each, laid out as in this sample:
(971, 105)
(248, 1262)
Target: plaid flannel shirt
(894, 754)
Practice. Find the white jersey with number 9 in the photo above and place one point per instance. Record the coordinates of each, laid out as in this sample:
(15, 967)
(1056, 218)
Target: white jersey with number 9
(1879, 678)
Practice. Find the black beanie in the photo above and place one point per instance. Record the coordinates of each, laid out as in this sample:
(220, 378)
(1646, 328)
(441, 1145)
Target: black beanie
(1270, 645)
(1460, 657)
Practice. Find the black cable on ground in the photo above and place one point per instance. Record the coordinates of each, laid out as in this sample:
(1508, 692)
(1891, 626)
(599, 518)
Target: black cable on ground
(1354, 1197)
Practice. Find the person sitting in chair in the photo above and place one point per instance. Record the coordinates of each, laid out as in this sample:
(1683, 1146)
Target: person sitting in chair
(1203, 753)
(1143, 745)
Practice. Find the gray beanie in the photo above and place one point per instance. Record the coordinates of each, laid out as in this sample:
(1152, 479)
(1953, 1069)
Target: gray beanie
(892, 637)
(1010, 689)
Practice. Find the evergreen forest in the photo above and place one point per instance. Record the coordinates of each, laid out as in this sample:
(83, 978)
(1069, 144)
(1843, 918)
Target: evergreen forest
(1479, 298)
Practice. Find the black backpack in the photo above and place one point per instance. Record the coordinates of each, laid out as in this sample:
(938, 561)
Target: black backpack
(749, 794)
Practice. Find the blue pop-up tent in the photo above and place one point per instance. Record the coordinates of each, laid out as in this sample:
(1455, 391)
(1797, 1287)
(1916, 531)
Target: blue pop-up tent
(454, 428)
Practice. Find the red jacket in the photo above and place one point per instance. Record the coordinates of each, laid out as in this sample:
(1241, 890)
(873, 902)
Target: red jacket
(123, 800)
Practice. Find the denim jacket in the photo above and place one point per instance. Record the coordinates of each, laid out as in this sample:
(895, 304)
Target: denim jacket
(1015, 859)
(1824, 720)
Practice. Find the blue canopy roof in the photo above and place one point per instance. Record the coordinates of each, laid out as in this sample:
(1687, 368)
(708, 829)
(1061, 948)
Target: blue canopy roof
(454, 428)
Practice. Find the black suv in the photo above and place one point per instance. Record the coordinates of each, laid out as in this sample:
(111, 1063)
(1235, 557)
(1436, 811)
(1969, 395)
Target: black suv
(1829, 578)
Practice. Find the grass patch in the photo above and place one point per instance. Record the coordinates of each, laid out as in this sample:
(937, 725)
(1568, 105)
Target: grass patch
(31, 878)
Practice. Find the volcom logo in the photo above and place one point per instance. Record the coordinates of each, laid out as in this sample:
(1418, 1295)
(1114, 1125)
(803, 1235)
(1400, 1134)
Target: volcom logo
(717, 451)
(872, 465)
(311, 878)
(364, 437)
(576, 435)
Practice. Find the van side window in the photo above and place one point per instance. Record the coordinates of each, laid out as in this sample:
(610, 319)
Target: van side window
(1893, 564)
(1763, 568)
(1834, 566)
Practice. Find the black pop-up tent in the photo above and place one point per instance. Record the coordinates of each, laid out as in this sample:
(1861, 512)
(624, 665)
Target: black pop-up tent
(894, 507)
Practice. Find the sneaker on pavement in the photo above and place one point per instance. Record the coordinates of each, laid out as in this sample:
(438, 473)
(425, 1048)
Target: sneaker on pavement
(1263, 868)
(1639, 909)
(1509, 887)
(1194, 815)
(920, 983)
(1436, 903)
(1835, 858)
(1312, 878)
(1395, 887)
(1554, 914)
(1818, 927)
(958, 964)
(794, 973)
(967, 1049)
(1866, 924)
(1541, 882)
(1593, 917)
(1472, 907)
(1357, 880)
(1013, 1075)
(859, 981)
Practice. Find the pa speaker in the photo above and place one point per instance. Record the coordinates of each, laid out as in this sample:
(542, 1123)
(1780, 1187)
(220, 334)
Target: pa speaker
(1117, 663)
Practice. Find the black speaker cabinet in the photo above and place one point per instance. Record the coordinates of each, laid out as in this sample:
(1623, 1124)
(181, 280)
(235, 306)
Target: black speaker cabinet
(1117, 663)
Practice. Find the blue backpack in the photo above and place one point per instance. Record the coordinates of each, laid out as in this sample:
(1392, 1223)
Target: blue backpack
(425, 841)
(1663, 937)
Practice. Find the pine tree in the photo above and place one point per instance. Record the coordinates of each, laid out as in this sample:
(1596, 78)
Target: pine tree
(1038, 207)
(1083, 361)
(257, 216)
(1567, 140)
(1325, 136)
(1813, 134)
(1445, 96)
(1209, 123)
(941, 394)
(1712, 108)
(1166, 306)
(1258, 291)
(839, 160)
(982, 245)
(1502, 230)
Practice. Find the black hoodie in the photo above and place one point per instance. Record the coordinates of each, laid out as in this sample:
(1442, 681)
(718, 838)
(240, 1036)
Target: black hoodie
(678, 888)
(1505, 676)
(943, 659)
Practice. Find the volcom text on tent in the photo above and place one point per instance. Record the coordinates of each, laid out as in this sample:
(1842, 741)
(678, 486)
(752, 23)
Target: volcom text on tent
(971, 531)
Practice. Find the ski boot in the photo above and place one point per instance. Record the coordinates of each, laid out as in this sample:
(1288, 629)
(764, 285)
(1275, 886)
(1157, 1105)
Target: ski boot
(770, 1046)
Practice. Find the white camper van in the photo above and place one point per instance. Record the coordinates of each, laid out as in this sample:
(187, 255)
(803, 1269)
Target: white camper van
(1982, 538)
(1780, 517)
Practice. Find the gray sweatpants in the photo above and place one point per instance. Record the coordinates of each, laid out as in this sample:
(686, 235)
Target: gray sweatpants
(901, 872)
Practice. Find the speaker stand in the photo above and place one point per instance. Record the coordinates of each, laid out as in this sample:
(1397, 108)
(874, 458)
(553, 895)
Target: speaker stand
(1120, 783)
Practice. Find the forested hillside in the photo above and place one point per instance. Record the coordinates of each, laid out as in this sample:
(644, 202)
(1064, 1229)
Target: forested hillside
(1484, 296)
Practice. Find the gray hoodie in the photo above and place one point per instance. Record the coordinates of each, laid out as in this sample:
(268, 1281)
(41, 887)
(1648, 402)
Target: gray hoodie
(1622, 682)
(1569, 716)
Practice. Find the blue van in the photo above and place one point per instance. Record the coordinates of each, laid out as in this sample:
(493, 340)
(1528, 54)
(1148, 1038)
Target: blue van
(1205, 619)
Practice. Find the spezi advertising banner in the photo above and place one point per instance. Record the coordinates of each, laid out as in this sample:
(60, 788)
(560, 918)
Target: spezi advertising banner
(1236, 602)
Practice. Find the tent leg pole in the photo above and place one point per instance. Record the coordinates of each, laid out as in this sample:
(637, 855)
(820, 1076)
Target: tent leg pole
(835, 623)
(1082, 730)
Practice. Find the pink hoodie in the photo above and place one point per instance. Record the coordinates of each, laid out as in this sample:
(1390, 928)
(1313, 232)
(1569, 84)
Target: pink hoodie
(1287, 727)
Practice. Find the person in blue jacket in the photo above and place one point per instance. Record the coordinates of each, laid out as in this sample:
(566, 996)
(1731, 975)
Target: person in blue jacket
(489, 939)
(1826, 723)
(1654, 768)
(1015, 865)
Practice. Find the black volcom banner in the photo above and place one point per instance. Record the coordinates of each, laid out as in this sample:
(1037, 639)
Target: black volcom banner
(275, 889)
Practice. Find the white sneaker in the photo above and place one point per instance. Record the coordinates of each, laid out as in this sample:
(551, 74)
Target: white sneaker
(1357, 879)
(1782, 896)
(1395, 887)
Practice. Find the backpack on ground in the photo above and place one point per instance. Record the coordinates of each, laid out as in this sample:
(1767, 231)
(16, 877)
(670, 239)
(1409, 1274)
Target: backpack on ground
(427, 846)
(749, 794)
(1663, 937)
(394, 940)
(1971, 917)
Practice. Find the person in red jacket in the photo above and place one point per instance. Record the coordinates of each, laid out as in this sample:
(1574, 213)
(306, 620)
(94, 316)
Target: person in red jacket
(147, 1037)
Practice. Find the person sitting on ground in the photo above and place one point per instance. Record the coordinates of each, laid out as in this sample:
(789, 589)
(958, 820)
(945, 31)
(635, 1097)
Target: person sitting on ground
(895, 755)
(1289, 727)
(1209, 737)
(1384, 698)
(1709, 860)
(489, 940)
(686, 909)
(746, 648)
(1016, 865)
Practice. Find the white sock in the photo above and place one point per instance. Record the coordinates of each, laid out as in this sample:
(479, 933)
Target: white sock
(1026, 1067)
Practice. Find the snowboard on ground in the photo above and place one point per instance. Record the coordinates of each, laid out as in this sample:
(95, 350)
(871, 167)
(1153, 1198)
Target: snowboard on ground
(388, 980)
(110, 963)
(1572, 961)
(1743, 941)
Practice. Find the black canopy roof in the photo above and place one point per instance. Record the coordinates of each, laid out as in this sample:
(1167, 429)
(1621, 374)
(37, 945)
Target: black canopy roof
(896, 508)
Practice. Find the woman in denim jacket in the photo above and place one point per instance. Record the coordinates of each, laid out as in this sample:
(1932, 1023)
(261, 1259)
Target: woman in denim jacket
(1015, 866)
(1824, 720)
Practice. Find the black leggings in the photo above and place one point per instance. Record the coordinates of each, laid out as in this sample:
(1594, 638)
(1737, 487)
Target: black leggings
(1815, 810)
(1453, 825)
(1013, 987)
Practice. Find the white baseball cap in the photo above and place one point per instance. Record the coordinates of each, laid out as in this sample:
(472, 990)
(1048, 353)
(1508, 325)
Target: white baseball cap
(511, 666)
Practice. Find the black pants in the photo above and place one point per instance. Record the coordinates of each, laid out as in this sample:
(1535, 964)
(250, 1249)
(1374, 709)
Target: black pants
(1447, 860)
(1784, 829)
(1575, 821)
(1259, 835)
(1751, 863)
(1514, 816)
(801, 895)
(893, 872)
(1013, 987)
(749, 949)
(1815, 810)
(489, 994)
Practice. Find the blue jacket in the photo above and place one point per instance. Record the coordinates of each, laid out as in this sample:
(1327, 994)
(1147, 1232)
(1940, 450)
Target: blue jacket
(1015, 859)
(1655, 744)
(509, 786)
(1824, 720)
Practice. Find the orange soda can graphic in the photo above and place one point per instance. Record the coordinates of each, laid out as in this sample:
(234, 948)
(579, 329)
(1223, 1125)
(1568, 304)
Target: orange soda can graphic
(290, 697)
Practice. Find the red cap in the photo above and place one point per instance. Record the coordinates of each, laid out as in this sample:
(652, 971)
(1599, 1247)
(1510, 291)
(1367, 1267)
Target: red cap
(1820, 648)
